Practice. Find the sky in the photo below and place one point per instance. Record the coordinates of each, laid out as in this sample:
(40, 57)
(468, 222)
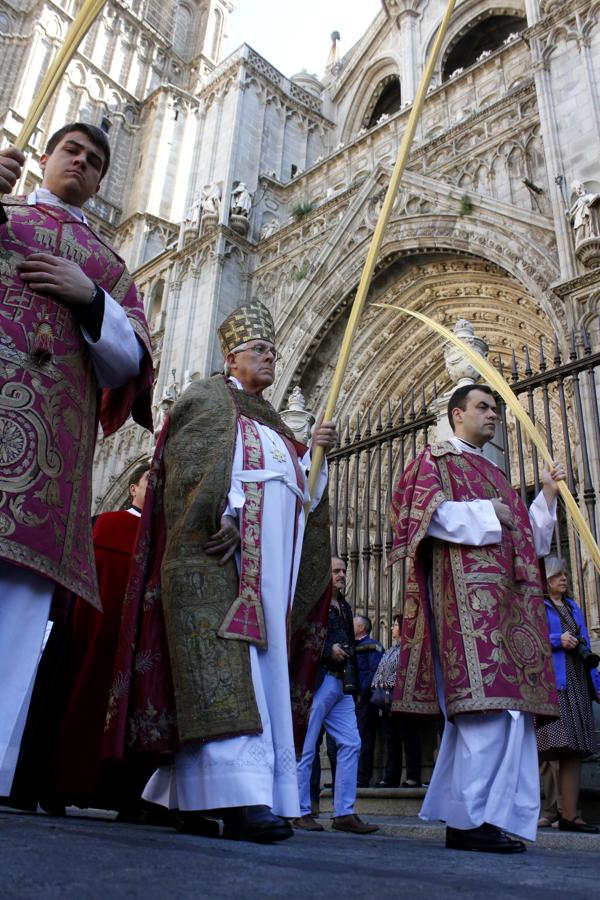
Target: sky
(295, 34)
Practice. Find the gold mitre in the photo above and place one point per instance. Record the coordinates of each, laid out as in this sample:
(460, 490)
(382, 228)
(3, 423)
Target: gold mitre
(249, 322)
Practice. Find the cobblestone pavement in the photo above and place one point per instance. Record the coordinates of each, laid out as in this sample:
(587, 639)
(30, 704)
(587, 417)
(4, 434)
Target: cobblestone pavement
(84, 857)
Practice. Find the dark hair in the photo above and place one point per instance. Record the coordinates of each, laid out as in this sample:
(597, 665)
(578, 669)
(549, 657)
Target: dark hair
(95, 134)
(397, 619)
(460, 397)
(366, 622)
(137, 473)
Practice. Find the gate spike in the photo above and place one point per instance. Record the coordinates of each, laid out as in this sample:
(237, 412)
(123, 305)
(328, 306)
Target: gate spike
(587, 345)
(514, 371)
(573, 353)
(528, 369)
(557, 360)
(542, 357)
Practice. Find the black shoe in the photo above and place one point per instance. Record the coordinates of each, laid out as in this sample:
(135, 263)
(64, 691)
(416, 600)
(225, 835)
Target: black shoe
(143, 813)
(254, 823)
(485, 839)
(411, 784)
(574, 825)
(52, 806)
(194, 823)
(385, 784)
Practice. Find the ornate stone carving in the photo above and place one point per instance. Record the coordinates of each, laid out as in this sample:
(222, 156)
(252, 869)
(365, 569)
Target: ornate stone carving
(297, 417)
(460, 370)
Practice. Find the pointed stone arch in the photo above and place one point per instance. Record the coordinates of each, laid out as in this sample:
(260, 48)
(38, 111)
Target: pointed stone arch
(522, 251)
(392, 354)
(467, 17)
(372, 83)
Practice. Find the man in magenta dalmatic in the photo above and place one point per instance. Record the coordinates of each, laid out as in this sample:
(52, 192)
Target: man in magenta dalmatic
(474, 636)
(74, 351)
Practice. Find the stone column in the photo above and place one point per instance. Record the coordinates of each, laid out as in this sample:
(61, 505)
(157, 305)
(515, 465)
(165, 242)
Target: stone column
(554, 161)
(407, 21)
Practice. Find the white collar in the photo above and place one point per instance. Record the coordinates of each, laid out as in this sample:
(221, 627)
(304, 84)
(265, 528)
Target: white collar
(465, 447)
(43, 195)
(134, 512)
(238, 384)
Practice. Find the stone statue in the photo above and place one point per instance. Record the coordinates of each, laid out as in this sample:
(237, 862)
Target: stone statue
(211, 201)
(269, 228)
(297, 417)
(164, 405)
(460, 369)
(241, 201)
(192, 216)
(584, 214)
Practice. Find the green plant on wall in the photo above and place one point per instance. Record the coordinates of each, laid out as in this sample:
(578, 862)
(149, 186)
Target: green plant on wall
(302, 209)
(466, 205)
(301, 273)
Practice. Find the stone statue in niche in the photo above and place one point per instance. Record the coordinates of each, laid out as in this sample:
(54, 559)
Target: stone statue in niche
(241, 204)
(241, 200)
(211, 201)
(584, 216)
(165, 403)
(192, 216)
(269, 228)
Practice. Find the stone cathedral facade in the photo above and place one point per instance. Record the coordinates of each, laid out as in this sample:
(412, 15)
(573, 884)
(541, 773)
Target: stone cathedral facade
(231, 181)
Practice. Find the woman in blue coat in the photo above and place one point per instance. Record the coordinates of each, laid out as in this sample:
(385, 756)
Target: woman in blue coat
(571, 737)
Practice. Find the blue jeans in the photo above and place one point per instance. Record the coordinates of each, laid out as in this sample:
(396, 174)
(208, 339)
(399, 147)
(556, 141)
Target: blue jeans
(335, 710)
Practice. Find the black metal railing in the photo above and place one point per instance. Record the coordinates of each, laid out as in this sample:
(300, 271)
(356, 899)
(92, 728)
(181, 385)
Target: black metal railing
(375, 446)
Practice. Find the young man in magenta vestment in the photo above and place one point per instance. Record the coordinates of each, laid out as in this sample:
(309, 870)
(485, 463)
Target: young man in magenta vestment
(474, 634)
(74, 351)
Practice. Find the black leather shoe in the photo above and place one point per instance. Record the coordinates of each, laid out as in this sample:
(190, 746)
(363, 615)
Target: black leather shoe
(254, 823)
(573, 825)
(485, 839)
(195, 823)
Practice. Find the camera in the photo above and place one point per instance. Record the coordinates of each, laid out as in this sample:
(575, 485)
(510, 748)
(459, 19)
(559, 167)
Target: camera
(589, 659)
(349, 679)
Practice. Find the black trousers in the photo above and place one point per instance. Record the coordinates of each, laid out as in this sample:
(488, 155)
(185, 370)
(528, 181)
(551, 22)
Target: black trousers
(367, 717)
(401, 733)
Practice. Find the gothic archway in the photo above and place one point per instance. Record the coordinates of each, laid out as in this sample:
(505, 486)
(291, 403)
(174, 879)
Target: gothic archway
(394, 355)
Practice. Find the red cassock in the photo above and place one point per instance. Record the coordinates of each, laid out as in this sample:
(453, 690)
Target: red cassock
(78, 773)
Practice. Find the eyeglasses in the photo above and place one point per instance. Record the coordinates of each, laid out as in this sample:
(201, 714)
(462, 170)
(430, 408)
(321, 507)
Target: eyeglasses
(260, 350)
